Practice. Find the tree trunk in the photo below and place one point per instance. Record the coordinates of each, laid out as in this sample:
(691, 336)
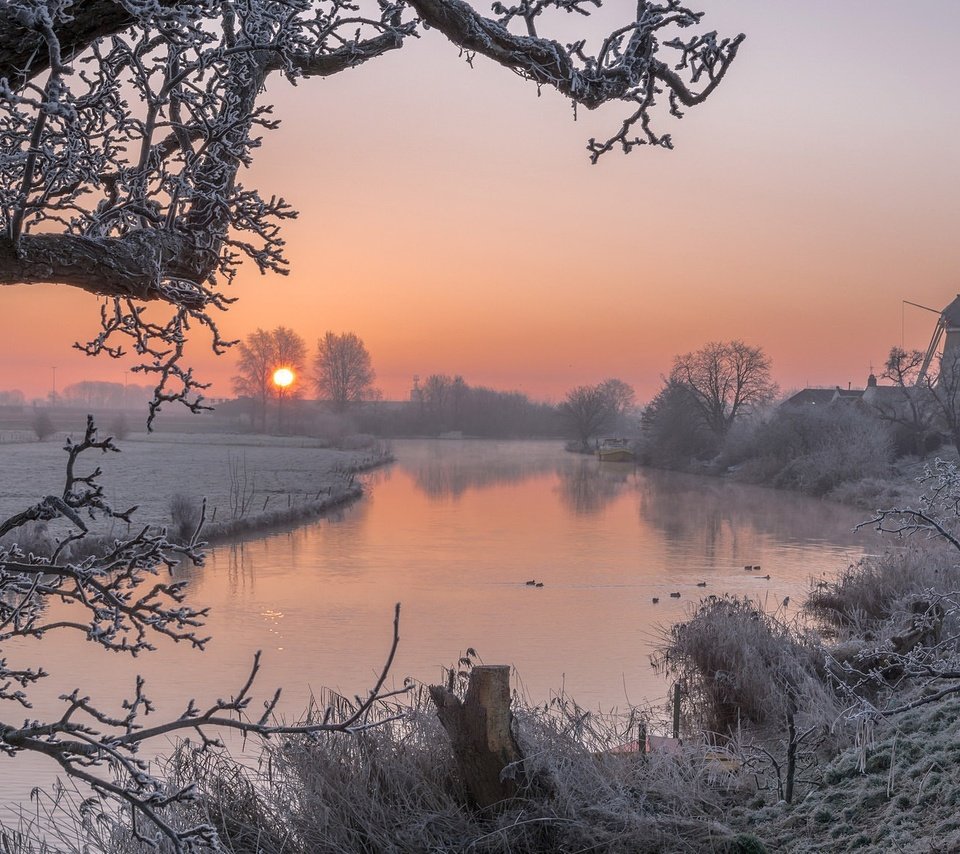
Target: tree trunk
(479, 730)
(791, 757)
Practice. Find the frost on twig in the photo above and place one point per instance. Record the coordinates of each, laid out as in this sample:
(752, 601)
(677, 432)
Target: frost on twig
(125, 127)
(120, 597)
(937, 512)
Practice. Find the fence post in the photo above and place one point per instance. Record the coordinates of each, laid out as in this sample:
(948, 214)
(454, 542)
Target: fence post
(676, 711)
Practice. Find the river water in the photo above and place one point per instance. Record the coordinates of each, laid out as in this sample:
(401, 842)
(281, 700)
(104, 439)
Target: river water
(453, 531)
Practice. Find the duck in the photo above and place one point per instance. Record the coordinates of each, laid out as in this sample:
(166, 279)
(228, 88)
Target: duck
(531, 583)
(757, 568)
(656, 599)
(767, 577)
(538, 584)
(674, 595)
(748, 567)
(701, 584)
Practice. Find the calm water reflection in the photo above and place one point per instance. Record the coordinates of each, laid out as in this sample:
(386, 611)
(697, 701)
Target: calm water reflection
(453, 530)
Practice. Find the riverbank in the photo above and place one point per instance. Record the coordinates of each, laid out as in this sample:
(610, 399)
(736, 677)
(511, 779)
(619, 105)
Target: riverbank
(898, 487)
(248, 482)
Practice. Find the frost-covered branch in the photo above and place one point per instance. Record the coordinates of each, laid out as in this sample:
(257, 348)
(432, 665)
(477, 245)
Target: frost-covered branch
(626, 67)
(937, 513)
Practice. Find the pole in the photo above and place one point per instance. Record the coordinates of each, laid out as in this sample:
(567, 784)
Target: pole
(676, 711)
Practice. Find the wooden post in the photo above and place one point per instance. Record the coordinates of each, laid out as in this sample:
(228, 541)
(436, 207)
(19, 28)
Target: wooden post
(676, 711)
(480, 734)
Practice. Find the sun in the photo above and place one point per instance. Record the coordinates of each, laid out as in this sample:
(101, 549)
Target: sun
(283, 377)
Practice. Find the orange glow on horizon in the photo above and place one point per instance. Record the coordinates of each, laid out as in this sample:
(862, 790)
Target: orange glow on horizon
(792, 214)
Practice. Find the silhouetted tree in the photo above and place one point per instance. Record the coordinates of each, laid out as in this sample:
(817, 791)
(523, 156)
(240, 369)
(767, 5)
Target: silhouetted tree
(587, 411)
(260, 354)
(727, 379)
(342, 371)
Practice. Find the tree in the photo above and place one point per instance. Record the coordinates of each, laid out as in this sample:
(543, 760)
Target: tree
(673, 432)
(727, 379)
(927, 399)
(914, 408)
(620, 396)
(589, 410)
(260, 355)
(342, 371)
(125, 126)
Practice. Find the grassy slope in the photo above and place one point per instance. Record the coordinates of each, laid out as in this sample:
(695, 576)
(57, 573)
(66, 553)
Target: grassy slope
(852, 811)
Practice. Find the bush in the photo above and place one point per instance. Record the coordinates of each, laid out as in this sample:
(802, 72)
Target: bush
(740, 663)
(878, 589)
(816, 450)
(42, 425)
(120, 427)
(184, 515)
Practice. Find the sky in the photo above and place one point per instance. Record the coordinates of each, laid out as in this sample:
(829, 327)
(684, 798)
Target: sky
(451, 218)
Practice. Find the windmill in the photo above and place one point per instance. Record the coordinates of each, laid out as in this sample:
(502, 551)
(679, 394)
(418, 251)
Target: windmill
(947, 330)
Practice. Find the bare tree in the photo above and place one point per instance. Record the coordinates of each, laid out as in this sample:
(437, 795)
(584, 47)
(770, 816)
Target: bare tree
(342, 370)
(914, 408)
(125, 125)
(119, 597)
(587, 411)
(261, 354)
(620, 395)
(727, 379)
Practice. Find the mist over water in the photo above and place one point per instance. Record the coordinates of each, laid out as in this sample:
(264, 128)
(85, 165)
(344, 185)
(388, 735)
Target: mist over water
(454, 530)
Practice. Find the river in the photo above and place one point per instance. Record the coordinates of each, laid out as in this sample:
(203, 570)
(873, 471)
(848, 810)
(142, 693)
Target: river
(453, 531)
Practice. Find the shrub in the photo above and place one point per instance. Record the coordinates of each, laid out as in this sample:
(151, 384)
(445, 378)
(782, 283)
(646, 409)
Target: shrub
(816, 450)
(877, 589)
(120, 427)
(184, 515)
(42, 425)
(740, 663)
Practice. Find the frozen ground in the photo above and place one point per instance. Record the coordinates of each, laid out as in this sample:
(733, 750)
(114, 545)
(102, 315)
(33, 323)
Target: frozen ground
(239, 475)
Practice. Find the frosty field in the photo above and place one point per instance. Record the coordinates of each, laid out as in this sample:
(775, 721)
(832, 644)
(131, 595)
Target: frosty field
(240, 476)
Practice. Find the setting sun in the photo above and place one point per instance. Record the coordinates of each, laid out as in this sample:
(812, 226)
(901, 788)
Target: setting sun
(283, 377)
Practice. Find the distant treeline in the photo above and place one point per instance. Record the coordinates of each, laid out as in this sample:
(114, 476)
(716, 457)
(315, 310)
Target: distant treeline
(91, 394)
(444, 404)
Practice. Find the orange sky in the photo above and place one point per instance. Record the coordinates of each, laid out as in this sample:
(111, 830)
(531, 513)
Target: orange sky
(451, 218)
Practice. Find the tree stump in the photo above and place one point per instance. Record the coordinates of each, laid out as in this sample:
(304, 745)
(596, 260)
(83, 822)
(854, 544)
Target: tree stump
(480, 734)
